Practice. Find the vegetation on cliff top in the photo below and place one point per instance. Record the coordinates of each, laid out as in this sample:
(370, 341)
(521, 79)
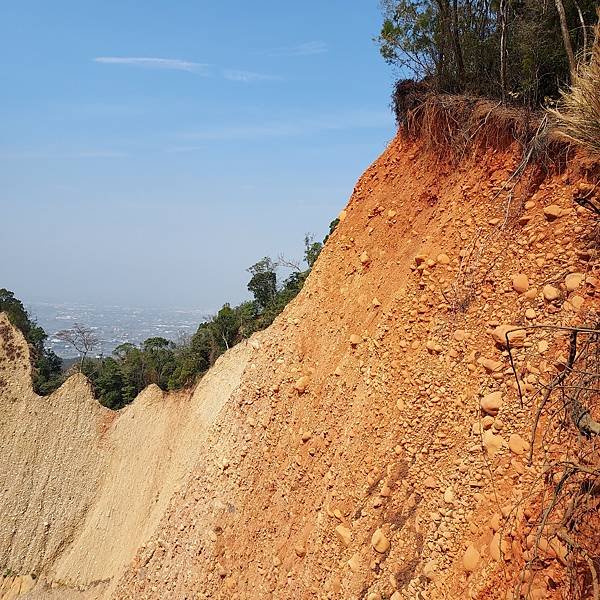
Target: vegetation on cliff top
(521, 51)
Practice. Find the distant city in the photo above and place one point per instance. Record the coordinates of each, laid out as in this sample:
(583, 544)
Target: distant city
(114, 325)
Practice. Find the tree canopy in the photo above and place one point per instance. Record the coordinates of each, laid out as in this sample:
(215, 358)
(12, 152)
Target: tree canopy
(514, 50)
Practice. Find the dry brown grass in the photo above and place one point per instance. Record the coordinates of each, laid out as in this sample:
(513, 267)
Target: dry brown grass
(577, 118)
(454, 125)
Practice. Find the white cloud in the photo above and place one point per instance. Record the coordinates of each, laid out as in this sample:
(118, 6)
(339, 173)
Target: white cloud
(248, 76)
(305, 49)
(154, 63)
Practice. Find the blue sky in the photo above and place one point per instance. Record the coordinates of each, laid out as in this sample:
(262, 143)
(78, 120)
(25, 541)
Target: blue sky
(150, 152)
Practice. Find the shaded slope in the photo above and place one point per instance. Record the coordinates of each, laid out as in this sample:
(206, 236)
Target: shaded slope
(351, 461)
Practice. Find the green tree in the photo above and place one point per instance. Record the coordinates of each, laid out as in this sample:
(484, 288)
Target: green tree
(109, 384)
(47, 366)
(263, 284)
(312, 250)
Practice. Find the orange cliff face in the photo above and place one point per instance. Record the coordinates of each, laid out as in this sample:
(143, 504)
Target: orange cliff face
(376, 447)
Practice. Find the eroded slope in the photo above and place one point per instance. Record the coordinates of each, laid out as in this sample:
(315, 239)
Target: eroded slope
(355, 460)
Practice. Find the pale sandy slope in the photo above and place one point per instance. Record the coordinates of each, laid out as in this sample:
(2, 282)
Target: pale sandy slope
(81, 487)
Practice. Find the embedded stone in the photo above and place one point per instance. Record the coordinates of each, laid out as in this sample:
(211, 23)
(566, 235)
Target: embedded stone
(492, 366)
(354, 563)
(492, 443)
(577, 302)
(471, 559)
(517, 444)
(301, 384)
(355, 339)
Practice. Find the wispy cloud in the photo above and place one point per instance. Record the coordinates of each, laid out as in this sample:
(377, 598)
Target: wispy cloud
(290, 127)
(304, 49)
(248, 76)
(51, 154)
(146, 62)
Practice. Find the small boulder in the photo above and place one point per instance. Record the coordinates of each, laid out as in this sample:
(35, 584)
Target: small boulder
(520, 283)
(491, 403)
(343, 534)
(573, 281)
(355, 339)
(550, 293)
(553, 212)
(380, 542)
(516, 336)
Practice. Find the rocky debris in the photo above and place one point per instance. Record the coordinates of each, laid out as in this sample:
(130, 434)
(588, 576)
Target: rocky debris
(391, 442)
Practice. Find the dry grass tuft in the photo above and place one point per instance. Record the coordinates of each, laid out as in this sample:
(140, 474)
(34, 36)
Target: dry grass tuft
(577, 118)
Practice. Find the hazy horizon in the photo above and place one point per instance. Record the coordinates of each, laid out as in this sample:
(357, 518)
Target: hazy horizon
(149, 157)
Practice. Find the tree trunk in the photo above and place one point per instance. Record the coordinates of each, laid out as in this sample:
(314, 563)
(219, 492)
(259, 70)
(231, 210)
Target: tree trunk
(566, 38)
(503, 49)
(584, 31)
(460, 65)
